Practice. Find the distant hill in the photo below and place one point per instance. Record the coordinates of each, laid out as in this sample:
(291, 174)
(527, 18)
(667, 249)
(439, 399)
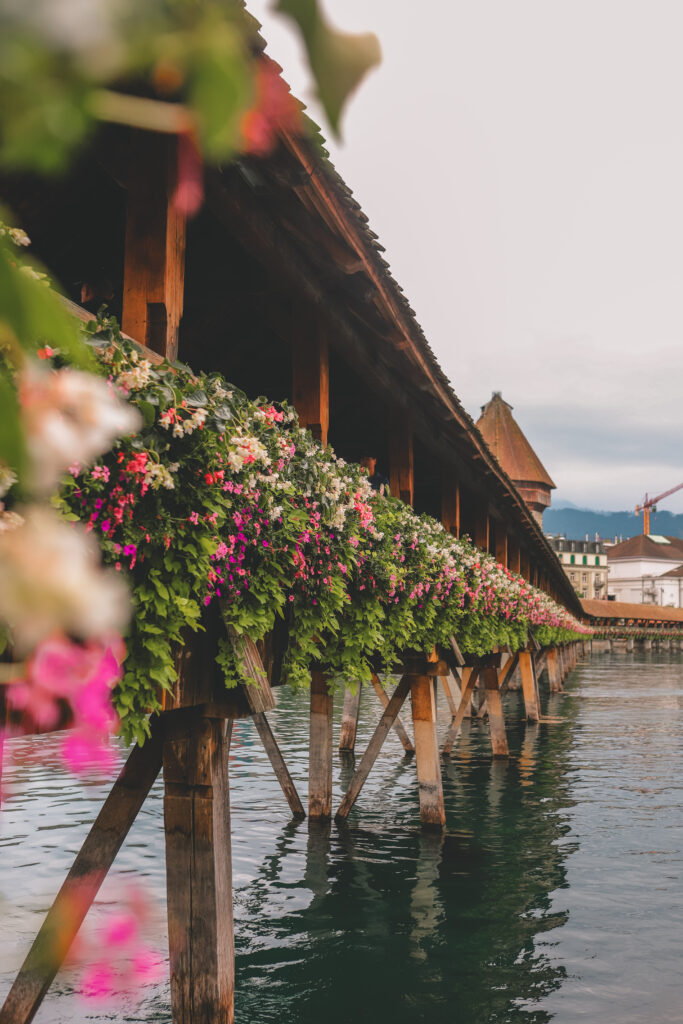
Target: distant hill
(575, 523)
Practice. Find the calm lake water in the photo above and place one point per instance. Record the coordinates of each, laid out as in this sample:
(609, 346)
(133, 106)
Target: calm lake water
(556, 892)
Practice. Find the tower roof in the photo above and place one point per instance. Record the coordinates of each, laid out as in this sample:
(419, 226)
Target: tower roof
(509, 445)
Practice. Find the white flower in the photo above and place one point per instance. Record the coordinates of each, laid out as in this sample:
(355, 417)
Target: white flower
(69, 416)
(136, 378)
(158, 475)
(51, 581)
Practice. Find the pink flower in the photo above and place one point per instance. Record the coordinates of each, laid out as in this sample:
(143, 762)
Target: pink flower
(98, 982)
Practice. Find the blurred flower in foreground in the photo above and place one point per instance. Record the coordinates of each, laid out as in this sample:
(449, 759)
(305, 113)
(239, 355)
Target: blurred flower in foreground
(275, 107)
(69, 416)
(51, 581)
(124, 958)
(82, 675)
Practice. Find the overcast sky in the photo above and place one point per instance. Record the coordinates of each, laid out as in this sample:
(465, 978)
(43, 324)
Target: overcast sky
(522, 163)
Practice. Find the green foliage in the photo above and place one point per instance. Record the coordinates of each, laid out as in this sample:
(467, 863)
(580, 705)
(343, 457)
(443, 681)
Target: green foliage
(222, 499)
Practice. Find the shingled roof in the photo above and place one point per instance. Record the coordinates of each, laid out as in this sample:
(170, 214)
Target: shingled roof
(504, 437)
(621, 610)
(644, 546)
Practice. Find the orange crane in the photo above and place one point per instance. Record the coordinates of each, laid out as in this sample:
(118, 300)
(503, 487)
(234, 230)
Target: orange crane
(650, 505)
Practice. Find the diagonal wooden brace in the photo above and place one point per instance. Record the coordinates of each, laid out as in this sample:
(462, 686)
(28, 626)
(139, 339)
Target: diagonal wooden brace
(260, 699)
(374, 746)
(454, 729)
(397, 726)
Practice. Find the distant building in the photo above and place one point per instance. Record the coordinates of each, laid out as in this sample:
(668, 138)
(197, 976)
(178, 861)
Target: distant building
(647, 569)
(515, 455)
(585, 563)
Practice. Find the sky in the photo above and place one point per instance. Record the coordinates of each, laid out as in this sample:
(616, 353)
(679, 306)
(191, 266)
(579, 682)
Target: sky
(522, 163)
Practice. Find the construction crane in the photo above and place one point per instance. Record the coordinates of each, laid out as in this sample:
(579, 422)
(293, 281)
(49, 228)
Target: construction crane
(650, 505)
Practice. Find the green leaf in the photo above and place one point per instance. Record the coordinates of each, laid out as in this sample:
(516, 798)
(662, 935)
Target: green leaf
(12, 449)
(339, 61)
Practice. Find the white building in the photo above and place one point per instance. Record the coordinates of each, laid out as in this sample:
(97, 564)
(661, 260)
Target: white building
(645, 570)
(585, 563)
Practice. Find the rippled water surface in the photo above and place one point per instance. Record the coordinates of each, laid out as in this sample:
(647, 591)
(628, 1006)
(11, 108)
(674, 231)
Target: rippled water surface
(556, 892)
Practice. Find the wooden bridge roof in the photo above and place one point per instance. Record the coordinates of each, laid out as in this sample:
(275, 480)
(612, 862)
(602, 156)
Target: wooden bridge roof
(310, 225)
(622, 610)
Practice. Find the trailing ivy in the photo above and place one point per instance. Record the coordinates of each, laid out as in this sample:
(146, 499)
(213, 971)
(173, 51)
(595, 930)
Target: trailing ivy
(220, 498)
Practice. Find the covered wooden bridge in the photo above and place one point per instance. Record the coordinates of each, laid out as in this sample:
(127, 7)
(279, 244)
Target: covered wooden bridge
(621, 623)
(280, 284)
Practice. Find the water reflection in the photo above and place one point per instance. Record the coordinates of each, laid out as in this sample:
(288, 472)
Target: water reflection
(490, 923)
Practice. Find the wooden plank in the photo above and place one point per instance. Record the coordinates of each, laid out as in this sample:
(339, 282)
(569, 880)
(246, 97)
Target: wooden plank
(278, 764)
(423, 702)
(349, 724)
(154, 260)
(84, 880)
(467, 691)
(397, 725)
(320, 749)
(499, 743)
(401, 478)
(529, 689)
(374, 746)
(310, 371)
(199, 871)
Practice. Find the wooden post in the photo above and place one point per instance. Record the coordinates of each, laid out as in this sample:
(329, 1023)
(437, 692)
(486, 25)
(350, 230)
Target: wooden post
(397, 724)
(529, 689)
(199, 868)
(481, 531)
(401, 456)
(320, 750)
(501, 552)
(499, 743)
(468, 685)
(423, 700)
(513, 555)
(554, 676)
(450, 502)
(349, 725)
(154, 261)
(374, 746)
(524, 565)
(310, 372)
(83, 882)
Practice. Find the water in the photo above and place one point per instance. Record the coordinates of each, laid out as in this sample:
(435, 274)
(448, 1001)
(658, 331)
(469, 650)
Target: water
(555, 894)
